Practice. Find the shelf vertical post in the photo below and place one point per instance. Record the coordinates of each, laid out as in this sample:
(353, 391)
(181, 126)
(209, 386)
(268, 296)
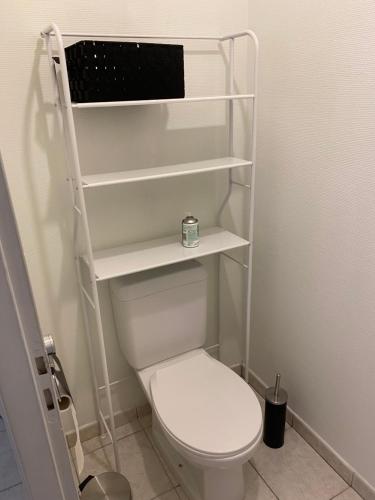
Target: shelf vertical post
(230, 152)
(71, 138)
(253, 123)
(231, 92)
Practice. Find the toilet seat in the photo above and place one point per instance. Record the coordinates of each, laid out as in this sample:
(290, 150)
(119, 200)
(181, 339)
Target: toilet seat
(206, 408)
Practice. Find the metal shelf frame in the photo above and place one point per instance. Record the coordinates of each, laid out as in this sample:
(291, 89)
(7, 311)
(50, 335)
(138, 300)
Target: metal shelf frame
(90, 298)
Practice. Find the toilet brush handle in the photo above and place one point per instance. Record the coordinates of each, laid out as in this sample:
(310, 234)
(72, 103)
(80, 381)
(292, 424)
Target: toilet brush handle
(277, 386)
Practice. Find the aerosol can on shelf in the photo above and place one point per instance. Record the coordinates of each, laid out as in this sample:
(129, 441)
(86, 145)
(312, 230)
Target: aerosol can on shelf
(190, 231)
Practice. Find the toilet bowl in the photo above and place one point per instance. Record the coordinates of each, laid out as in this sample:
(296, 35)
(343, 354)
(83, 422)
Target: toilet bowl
(209, 415)
(207, 421)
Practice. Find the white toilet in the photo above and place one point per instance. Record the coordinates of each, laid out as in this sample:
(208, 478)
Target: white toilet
(207, 421)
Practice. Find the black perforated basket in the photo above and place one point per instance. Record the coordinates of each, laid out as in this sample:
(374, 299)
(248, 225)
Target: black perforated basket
(123, 71)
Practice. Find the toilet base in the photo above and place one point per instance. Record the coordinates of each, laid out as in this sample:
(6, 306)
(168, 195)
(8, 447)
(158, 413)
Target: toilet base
(200, 483)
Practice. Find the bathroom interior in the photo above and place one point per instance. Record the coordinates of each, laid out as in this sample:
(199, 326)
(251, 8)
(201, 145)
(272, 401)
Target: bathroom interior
(199, 262)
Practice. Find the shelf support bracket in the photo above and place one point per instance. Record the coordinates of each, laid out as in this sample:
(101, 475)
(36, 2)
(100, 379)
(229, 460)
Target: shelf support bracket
(244, 266)
(247, 186)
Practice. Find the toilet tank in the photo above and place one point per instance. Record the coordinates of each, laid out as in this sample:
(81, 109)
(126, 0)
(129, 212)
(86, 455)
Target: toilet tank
(160, 313)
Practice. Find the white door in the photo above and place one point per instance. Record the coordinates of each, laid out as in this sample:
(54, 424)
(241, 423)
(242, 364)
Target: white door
(26, 393)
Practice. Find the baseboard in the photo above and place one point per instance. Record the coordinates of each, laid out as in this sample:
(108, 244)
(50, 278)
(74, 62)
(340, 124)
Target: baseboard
(92, 429)
(362, 487)
(343, 469)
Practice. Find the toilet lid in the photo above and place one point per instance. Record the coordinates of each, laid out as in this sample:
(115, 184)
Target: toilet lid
(206, 406)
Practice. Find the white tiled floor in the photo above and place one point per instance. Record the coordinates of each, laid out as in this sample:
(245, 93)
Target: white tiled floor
(10, 482)
(294, 472)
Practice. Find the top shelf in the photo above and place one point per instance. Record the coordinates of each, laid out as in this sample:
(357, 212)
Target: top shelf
(150, 102)
(52, 30)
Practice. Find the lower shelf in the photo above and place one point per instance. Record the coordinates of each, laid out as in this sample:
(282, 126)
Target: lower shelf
(129, 259)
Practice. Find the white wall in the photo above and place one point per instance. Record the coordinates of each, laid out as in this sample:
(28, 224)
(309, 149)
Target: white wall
(314, 281)
(110, 140)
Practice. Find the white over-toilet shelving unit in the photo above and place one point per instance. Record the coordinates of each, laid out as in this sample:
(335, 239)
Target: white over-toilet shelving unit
(119, 261)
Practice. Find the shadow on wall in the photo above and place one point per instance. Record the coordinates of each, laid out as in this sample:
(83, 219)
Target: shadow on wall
(53, 216)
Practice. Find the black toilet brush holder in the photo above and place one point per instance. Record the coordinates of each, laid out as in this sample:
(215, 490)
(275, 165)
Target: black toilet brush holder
(275, 415)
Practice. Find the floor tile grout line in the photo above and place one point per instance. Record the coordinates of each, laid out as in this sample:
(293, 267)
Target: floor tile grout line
(109, 443)
(178, 495)
(163, 493)
(264, 481)
(11, 487)
(137, 419)
(341, 492)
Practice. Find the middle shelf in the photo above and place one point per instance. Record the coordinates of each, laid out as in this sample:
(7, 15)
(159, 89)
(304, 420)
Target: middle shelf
(144, 174)
(136, 257)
